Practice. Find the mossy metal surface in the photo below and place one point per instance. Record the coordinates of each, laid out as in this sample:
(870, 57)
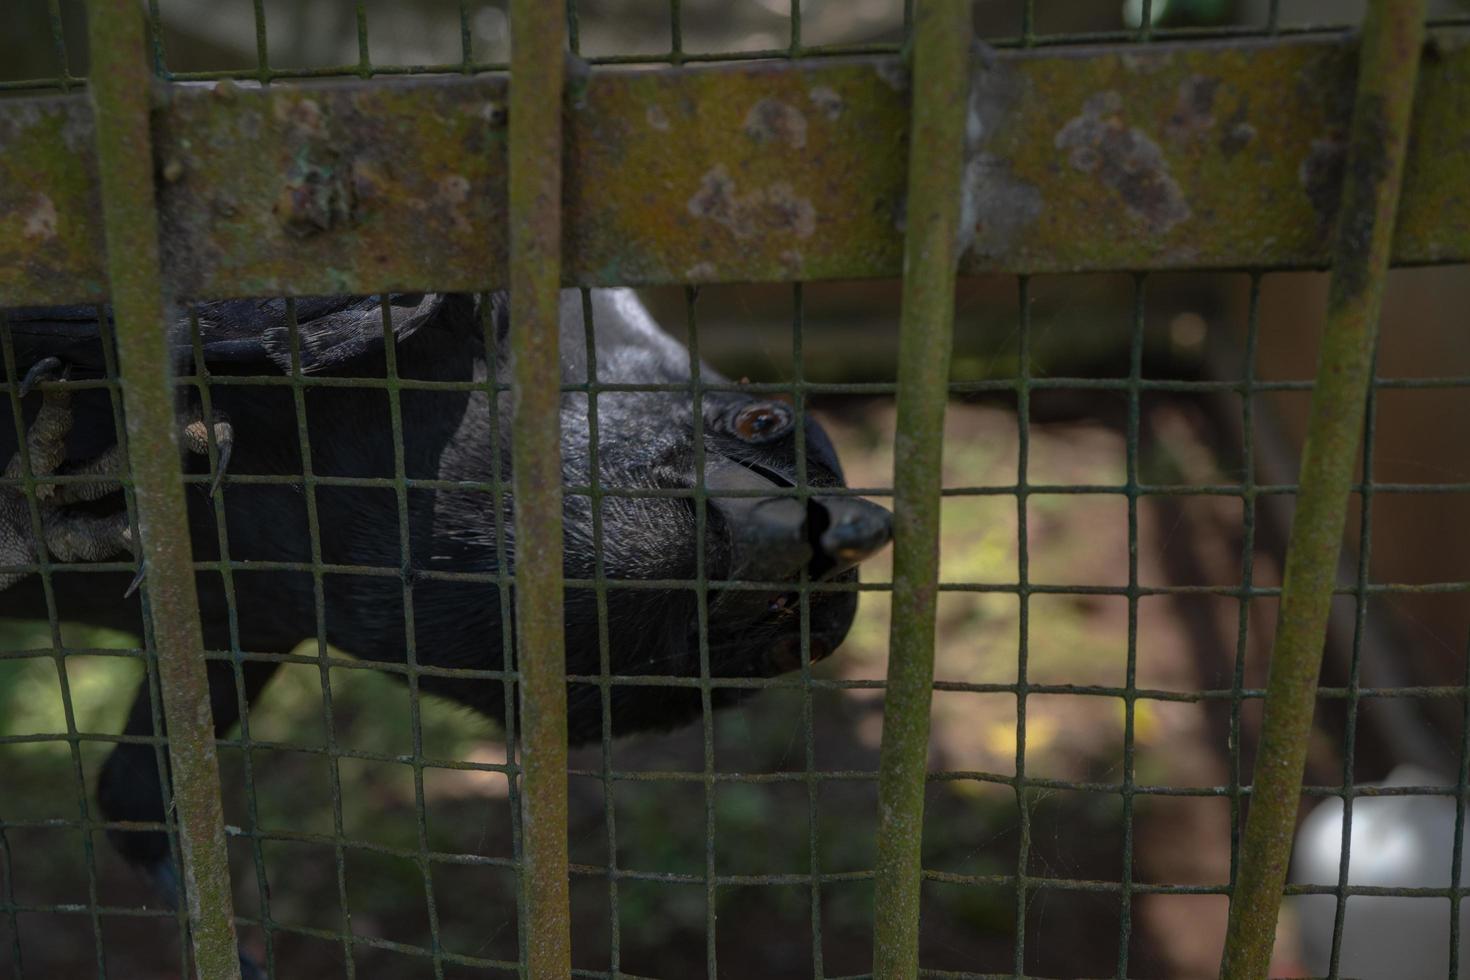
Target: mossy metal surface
(137, 295)
(941, 101)
(1219, 154)
(535, 263)
(1374, 166)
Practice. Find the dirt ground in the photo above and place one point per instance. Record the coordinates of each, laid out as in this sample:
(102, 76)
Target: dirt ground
(1075, 839)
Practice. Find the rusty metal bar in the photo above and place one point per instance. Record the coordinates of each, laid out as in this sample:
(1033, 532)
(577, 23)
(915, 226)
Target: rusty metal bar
(932, 246)
(1392, 39)
(789, 169)
(120, 91)
(538, 44)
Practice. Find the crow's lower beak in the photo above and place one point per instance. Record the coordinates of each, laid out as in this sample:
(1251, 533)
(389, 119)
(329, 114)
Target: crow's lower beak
(773, 537)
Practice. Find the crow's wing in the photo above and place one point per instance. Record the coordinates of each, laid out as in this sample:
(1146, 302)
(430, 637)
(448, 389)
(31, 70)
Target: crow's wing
(332, 329)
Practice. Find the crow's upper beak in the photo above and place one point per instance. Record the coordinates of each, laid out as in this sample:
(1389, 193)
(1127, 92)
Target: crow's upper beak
(772, 537)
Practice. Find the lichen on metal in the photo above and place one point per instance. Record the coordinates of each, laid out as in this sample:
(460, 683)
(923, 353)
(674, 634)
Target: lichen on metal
(1373, 165)
(537, 66)
(121, 90)
(932, 242)
(1218, 154)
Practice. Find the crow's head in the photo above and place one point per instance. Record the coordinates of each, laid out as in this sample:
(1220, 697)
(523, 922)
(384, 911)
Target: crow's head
(715, 511)
(776, 515)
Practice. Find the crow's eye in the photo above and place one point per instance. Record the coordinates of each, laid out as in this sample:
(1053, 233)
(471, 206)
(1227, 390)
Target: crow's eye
(762, 422)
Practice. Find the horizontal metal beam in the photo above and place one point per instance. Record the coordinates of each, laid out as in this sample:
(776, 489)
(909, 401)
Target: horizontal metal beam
(1180, 155)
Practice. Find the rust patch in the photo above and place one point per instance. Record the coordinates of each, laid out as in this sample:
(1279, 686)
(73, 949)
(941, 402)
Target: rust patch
(776, 209)
(774, 121)
(41, 219)
(315, 197)
(1125, 159)
(827, 102)
(320, 188)
(304, 117)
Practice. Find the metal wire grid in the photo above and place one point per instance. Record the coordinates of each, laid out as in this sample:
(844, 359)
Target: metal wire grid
(1026, 786)
(1274, 24)
(1025, 883)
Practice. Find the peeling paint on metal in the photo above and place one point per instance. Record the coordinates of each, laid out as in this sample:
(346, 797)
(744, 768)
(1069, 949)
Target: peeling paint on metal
(1004, 206)
(1237, 132)
(894, 72)
(40, 219)
(627, 193)
(827, 101)
(1194, 110)
(1099, 141)
(765, 210)
(774, 121)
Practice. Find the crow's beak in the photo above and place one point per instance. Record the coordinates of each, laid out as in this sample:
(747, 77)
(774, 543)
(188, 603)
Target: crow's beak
(855, 530)
(772, 537)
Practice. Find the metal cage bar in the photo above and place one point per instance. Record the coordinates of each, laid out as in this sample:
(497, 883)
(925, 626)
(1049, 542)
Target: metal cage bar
(120, 92)
(941, 84)
(537, 68)
(1393, 37)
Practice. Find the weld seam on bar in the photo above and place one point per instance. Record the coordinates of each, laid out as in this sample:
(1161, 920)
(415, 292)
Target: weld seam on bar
(942, 33)
(538, 33)
(120, 89)
(1393, 37)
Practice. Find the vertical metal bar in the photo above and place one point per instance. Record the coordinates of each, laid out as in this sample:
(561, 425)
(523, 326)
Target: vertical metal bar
(538, 39)
(1023, 617)
(58, 644)
(804, 609)
(942, 31)
(237, 649)
(309, 486)
(1355, 674)
(1388, 64)
(410, 632)
(120, 90)
(604, 639)
(701, 616)
(1248, 498)
(1130, 675)
(1457, 861)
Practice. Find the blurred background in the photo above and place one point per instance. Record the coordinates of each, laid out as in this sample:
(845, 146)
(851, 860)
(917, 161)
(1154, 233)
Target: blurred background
(1188, 647)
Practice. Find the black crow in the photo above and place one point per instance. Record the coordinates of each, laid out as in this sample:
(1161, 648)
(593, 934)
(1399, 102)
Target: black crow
(388, 587)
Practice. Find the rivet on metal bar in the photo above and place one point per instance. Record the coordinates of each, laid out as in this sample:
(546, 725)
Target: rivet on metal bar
(120, 92)
(1388, 66)
(538, 39)
(942, 33)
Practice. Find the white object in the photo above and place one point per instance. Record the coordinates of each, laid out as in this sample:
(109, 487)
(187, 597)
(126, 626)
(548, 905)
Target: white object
(1397, 842)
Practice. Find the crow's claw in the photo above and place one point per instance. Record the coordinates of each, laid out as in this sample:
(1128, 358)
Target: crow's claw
(137, 581)
(46, 369)
(196, 438)
(68, 535)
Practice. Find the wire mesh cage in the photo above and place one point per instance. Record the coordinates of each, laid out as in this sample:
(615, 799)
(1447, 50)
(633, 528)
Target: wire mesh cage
(1076, 729)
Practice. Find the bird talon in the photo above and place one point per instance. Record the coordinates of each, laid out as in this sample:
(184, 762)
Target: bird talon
(196, 438)
(137, 581)
(46, 369)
